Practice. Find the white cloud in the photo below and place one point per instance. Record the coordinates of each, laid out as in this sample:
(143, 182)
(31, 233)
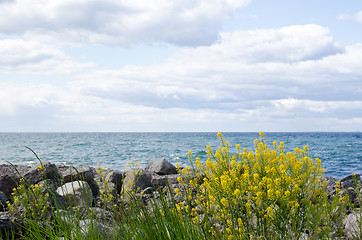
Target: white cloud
(301, 79)
(180, 22)
(226, 75)
(355, 17)
(34, 57)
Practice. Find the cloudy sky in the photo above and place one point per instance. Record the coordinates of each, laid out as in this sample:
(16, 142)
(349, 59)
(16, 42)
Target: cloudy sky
(180, 65)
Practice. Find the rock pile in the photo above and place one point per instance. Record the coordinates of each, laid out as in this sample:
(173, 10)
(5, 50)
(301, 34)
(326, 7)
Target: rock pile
(351, 186)
(78, 187)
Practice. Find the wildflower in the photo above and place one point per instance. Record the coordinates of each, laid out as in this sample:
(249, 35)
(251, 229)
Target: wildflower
(237, 192)
(287, 194)
(224, 202)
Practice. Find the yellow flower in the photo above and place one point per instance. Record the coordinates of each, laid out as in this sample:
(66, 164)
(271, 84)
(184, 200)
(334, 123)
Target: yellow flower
(224, 202)
(287, 194)
(41, 167)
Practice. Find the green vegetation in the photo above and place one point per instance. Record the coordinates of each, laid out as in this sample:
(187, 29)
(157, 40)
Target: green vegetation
(265, 194)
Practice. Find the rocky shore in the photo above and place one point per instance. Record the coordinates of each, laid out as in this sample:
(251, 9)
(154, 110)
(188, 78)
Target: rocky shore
(79, 187)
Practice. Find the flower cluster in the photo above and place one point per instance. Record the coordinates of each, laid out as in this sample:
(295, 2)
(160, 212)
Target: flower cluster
(106, 191)
(267, 193)
(29, 202)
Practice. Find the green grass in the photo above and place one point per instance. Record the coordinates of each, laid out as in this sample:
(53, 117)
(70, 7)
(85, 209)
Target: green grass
(228, 197)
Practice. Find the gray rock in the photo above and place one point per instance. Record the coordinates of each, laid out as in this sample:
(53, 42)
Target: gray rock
(352, 226)
(76, 193)
(90, 229)
(50, 187)
(148, 190)
(135, 181)
(39, 172)
(330, 186)
(161, 166)
(83, 173)
(3, 199)
(83, 212)
(161, 181)
(9, 227)
(51, 184)
(116, 177)
(353, 196)
(331, 181)
(350, 180)
(9, 179)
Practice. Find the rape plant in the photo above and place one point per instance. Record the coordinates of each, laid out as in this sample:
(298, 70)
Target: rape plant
(29, 202)
(107, 195)
(266, 194)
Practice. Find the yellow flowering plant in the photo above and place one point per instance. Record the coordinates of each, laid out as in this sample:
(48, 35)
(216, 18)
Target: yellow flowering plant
(29, 202)
(107, 194)
(268, 193)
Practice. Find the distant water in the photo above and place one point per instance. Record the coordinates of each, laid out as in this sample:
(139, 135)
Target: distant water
(341, 153)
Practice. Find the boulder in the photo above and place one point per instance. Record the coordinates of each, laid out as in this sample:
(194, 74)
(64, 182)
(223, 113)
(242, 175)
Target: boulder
(161, 166)
(76, 193)
(9, 226)
(50, 187)
(350, 181)
(83, 173)
(41, 171)
(353, 196)
(116, 177)
(161, 181)
(9, 179)
(135, 181)
(90, 229)
(352, 226)
(3, 200)
(8, 182)
(330, 186)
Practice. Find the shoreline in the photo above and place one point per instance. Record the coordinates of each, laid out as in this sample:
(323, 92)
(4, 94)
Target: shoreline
(145, 183)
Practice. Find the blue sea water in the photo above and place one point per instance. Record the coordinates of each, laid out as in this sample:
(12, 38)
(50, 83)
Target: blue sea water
(341, 153)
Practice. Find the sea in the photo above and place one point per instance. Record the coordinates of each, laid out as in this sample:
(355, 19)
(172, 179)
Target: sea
(340, 152)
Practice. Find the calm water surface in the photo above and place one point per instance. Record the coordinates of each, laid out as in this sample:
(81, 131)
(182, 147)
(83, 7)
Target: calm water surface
(341, 153)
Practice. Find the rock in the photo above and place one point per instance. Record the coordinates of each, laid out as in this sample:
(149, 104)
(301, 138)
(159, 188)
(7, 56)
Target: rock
(83, 173)
(161, 166)
(135, 181)
(350, 180)
(9, 179)
(3, 200)
(9, 226)
(161, 181)
(50, 187)
(72, 215)
(352, 226)
(331, 181)
(116, 177)
(76, 193)
(330, 186)
(148, 190)
(51, 184)
(39, 172)
(353, 196)
(8, 183)
(91, 229)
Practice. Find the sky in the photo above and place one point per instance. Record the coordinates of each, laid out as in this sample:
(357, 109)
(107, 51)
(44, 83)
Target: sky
(180, 65)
